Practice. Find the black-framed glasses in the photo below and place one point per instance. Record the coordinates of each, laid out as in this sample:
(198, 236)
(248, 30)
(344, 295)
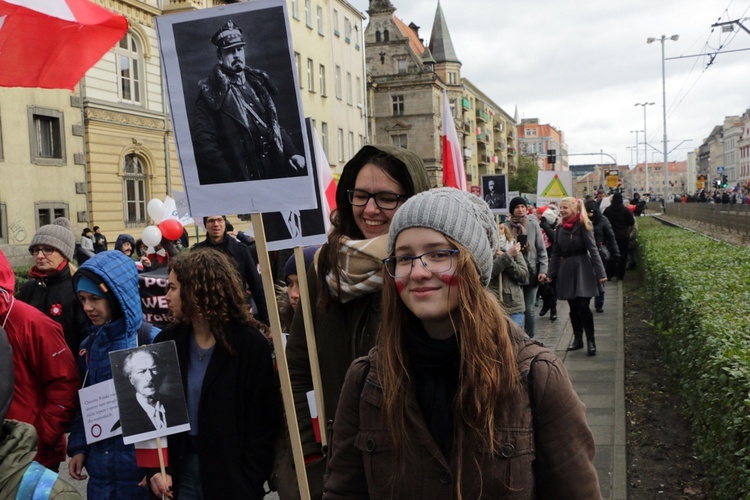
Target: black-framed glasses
(436, 261)
(384, 199)
(47, 251)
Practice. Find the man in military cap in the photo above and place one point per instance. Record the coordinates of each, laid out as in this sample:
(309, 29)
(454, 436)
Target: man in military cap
(495, 199)
(236, 132)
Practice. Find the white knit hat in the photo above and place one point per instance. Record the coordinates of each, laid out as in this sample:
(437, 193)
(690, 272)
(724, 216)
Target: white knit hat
(457, 214)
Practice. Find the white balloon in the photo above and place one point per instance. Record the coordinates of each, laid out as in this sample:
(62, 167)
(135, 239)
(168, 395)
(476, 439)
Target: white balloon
(151, 236)
(156, 210)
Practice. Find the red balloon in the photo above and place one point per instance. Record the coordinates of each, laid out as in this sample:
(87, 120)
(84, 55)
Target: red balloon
(171, 229)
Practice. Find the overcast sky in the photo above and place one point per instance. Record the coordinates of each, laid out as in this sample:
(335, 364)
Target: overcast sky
(581, 65)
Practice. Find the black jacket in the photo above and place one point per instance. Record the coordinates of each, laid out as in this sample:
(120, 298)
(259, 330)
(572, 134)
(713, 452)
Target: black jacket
(55, 296)
(239, 414)
(621, 218)
(245, 263)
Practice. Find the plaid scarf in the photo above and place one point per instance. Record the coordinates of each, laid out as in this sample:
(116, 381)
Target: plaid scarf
(361, 268)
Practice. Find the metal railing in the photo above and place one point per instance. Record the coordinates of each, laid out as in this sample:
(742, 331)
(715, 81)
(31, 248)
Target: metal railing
(733, 218)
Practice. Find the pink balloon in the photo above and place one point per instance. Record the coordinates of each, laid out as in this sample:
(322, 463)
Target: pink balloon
(171, 229)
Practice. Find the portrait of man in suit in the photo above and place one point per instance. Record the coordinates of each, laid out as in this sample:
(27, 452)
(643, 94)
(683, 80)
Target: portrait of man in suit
(146, 407)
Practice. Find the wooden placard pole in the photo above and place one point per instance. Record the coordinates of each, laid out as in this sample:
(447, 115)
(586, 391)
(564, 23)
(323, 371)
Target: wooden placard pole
(312, 348)
(161, 461)
(278, 345)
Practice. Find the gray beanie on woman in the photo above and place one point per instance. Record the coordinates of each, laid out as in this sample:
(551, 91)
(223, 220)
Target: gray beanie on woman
(457, 214)
(57, 237)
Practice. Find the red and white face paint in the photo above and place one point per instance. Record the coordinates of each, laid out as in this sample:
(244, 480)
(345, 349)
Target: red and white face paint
(431, 296)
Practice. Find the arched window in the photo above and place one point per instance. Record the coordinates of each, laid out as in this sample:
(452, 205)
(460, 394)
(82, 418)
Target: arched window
(129, 69)
(386, 36)
(134, 189)
(377, 36)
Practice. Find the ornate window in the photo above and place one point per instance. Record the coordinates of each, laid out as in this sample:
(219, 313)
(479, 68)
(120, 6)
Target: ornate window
(134, 189)
(129, 69)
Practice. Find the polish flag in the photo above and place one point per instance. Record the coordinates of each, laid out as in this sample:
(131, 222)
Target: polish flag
(147, 453)
(454, 174)
(325, 181)
(314, 414)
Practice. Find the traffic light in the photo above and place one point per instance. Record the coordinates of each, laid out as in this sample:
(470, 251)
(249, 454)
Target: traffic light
(551, 156)
(724, 182)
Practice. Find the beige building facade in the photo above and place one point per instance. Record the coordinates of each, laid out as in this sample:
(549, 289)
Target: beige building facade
(42, 172)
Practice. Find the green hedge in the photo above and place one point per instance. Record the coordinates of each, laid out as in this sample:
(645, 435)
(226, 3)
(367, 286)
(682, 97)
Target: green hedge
(22, 275)
(700, 298)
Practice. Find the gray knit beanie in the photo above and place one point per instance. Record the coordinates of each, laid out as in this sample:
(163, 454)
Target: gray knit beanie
(457, 214)
(57, 237)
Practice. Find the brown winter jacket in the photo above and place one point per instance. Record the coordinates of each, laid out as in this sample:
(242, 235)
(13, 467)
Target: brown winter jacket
(556, 463)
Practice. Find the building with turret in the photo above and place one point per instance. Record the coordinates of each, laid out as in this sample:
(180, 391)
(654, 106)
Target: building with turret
(406, 81)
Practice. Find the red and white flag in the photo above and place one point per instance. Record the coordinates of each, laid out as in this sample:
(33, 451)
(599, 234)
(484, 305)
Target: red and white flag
(314, 414)
(454, 174)
(147, 453)
(52, 43)
(325, 181)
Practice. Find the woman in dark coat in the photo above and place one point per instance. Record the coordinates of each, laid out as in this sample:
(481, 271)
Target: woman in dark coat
(230, 388)
(622, 220)
(605, 242)
(578, 269)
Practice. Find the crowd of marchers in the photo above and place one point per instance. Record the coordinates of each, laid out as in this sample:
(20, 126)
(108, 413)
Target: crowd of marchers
(424, 316)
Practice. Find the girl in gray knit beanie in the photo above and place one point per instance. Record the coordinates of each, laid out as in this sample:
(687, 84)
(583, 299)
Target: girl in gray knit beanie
(435, 398)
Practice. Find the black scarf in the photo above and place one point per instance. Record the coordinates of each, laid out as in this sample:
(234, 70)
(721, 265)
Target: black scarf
(435, 364)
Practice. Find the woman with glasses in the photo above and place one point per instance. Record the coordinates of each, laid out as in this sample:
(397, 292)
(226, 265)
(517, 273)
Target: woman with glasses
(455, 401)
(345, 283)
(50, 288)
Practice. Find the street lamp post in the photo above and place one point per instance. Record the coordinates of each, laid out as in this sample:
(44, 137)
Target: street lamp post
(645, 141)
(674, 38)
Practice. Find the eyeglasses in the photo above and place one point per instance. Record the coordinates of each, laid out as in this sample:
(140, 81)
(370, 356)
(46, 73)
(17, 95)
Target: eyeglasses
(47, 251)
(384, 199)
(436, 261)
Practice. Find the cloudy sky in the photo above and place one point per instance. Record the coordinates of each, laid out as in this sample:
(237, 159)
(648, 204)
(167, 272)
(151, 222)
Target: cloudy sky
(581, 65)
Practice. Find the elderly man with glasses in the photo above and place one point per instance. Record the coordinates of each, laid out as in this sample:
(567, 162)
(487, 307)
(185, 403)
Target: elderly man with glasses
(50, 288)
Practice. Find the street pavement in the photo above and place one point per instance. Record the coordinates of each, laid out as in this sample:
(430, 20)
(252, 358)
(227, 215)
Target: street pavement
(598, 380)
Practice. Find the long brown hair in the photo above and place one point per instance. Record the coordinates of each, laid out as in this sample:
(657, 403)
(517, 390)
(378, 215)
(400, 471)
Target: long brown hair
(210, 288)
(488, 373)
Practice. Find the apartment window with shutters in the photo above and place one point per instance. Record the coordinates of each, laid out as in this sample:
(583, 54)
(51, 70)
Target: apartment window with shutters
(399, 140)
(324, 137)
(347, 30)
(336, 22)
(322, 80)
(46, 136)
(359, 92)
(349, 92)
(308, 14)
(398, 105)
(298, 64)
(310, 77)
(134, 189)
(351, 144)
(321, 32)
(337, 78)
(295, 9)
(340, 141)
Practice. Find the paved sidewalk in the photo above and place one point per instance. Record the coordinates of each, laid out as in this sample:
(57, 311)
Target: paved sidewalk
(599, 381)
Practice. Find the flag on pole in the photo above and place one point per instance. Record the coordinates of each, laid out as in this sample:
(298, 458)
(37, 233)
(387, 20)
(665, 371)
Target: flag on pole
(326, 182)
(52, 43)
(147, 453)
(454, 174)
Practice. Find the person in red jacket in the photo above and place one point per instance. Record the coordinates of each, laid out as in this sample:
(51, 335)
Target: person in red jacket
(46, 377)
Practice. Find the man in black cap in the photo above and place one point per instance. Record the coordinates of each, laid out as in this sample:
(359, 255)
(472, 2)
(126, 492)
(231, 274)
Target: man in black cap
(235, 130)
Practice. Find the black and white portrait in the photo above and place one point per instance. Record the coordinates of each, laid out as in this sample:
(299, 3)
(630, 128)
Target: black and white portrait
(236, 110)
(495, 192)
(149, 392)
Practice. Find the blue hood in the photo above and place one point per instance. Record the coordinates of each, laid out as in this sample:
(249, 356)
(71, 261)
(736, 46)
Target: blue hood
(119, 273)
